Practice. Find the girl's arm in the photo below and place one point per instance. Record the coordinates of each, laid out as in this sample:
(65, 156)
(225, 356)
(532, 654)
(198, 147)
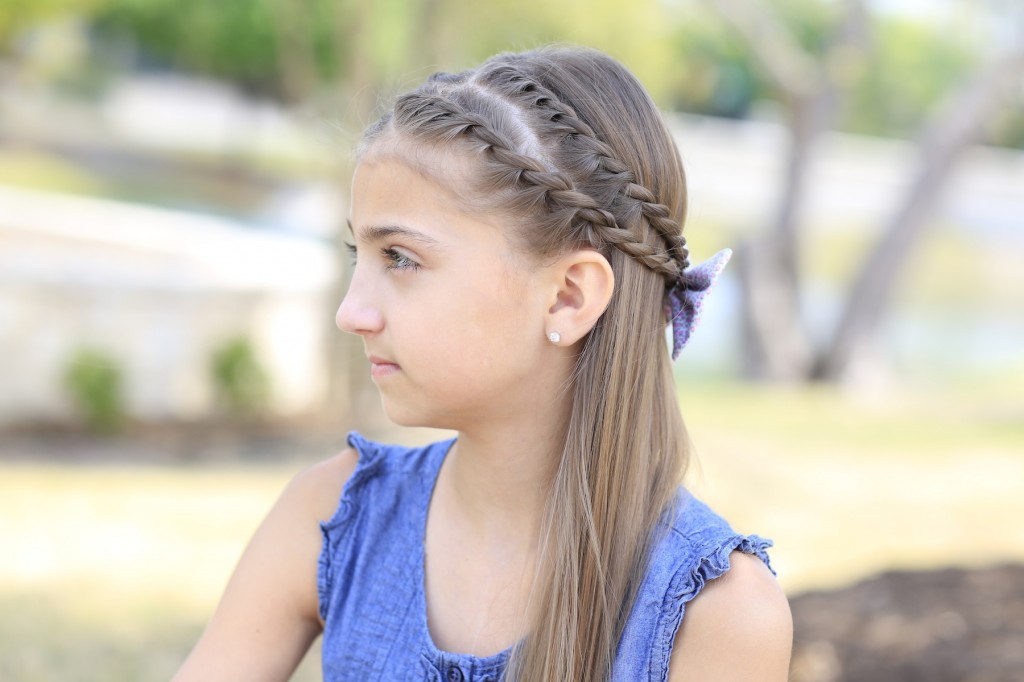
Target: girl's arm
(738, 629)
(269, 616)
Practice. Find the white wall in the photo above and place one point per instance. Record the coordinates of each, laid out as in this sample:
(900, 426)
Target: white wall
(160, 290)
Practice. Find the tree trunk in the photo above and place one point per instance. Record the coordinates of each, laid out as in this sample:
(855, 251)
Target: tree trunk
(296, 57)
(942, 144)
(775, 344)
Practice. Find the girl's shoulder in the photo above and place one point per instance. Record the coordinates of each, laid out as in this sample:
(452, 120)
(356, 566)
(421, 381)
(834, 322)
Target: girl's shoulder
(323, 490)
(692, 550)
(315, 489)
(737, 620)
(740, 628)
(380, 470)
(691, 531)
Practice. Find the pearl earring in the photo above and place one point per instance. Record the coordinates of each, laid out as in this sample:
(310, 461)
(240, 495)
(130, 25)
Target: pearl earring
(554, 337)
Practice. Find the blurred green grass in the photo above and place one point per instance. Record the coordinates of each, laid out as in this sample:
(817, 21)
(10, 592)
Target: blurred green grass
(35, 170)
(852, 484)
(111, 570)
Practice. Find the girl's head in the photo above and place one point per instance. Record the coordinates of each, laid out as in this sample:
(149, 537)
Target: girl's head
(564, 145)
(564, 154)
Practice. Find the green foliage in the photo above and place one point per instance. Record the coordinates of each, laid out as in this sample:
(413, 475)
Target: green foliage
(911, 69)
(681, 50)
(231, 39)
(717, 75)
(266, 45)
(93, 378)
(908, 68)
(17, 16)
(240, 380)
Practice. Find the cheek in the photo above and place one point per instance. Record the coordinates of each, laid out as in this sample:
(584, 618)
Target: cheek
(485, 331)
(505, 316)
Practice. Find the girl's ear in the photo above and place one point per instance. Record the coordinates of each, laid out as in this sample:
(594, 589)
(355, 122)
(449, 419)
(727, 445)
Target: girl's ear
(582, 286)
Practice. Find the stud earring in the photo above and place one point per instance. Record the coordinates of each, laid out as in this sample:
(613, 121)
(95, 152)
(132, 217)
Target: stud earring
(554, 337)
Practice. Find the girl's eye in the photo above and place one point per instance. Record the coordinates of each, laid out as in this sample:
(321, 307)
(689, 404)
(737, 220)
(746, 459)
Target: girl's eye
(398, 260)
(352, 251)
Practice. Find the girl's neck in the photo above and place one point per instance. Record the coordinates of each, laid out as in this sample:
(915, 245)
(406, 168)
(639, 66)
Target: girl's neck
(481, 542)
(497, 480)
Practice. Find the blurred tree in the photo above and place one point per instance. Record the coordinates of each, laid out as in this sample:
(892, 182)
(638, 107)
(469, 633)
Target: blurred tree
(717, 77)
(94, 380)
(810, 85)
(18, 15)
(18, 18)
(909, 67)
(291, 48)
(827, 64)
(775, 343)
(238, 41)
(940, 146)
(238, 377)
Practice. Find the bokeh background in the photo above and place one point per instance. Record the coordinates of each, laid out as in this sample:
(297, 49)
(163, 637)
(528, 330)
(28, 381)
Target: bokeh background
(173, 188)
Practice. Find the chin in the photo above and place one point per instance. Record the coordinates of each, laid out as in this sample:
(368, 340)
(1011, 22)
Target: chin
(403, 416)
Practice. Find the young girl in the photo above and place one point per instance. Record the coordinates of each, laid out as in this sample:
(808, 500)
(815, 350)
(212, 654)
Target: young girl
(518, 230)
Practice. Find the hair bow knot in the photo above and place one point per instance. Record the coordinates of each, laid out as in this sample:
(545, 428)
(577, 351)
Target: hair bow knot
(686, 297)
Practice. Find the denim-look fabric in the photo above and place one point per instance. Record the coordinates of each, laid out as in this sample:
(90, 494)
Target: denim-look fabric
(370, 578)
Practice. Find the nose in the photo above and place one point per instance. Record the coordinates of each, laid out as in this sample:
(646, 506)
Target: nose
(357, 314)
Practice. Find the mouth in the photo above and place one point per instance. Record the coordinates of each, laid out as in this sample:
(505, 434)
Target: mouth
(379, 367)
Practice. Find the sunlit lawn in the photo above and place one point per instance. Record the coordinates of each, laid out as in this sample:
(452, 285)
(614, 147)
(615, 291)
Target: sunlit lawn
(108, 572)
(848, 486)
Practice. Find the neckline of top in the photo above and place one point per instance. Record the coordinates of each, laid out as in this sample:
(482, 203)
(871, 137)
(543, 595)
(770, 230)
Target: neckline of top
(439, 657)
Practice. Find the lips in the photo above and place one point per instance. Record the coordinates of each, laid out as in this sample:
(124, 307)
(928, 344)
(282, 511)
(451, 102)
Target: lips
(381, 367)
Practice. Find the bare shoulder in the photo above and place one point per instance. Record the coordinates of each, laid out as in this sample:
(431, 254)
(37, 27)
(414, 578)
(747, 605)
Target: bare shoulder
(316, 490)
(269, 614)
(738, 629)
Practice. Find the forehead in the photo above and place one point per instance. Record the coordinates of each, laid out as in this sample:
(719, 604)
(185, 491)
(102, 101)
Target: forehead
(388, 190)
(392, 184)
(448, 169)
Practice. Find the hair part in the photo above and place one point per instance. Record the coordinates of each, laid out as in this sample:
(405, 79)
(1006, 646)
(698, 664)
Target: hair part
(566, 145)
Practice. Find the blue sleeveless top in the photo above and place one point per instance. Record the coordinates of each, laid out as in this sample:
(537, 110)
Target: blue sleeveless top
(370, 578)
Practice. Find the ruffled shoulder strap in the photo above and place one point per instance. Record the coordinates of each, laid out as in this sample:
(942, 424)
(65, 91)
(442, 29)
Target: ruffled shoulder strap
(692, 548)
(372, 459)
(372, 505)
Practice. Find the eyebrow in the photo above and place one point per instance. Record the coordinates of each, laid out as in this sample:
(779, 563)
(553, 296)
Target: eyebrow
(375, 233)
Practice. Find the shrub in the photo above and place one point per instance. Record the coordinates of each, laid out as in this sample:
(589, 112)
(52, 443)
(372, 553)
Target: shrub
(239, 378)
(93, 378)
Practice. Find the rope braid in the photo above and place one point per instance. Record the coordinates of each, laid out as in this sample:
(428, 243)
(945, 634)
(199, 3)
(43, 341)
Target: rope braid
(589, 222)
(601, 165)
(440, 117)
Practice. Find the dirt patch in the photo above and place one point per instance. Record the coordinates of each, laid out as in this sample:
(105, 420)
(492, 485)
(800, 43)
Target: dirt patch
(949, 625)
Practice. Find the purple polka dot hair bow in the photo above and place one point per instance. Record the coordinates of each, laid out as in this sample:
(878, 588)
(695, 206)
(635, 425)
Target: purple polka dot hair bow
(686, 297)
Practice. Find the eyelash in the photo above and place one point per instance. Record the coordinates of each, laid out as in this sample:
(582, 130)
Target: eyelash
(397, 261)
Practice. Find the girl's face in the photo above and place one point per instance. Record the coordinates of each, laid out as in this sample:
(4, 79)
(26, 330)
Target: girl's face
(451, 319)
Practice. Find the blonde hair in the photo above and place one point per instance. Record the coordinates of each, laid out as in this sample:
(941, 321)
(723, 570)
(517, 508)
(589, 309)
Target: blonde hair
(568, 145)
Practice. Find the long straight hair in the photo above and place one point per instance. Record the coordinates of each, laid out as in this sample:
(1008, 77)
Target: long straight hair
(569, 148)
